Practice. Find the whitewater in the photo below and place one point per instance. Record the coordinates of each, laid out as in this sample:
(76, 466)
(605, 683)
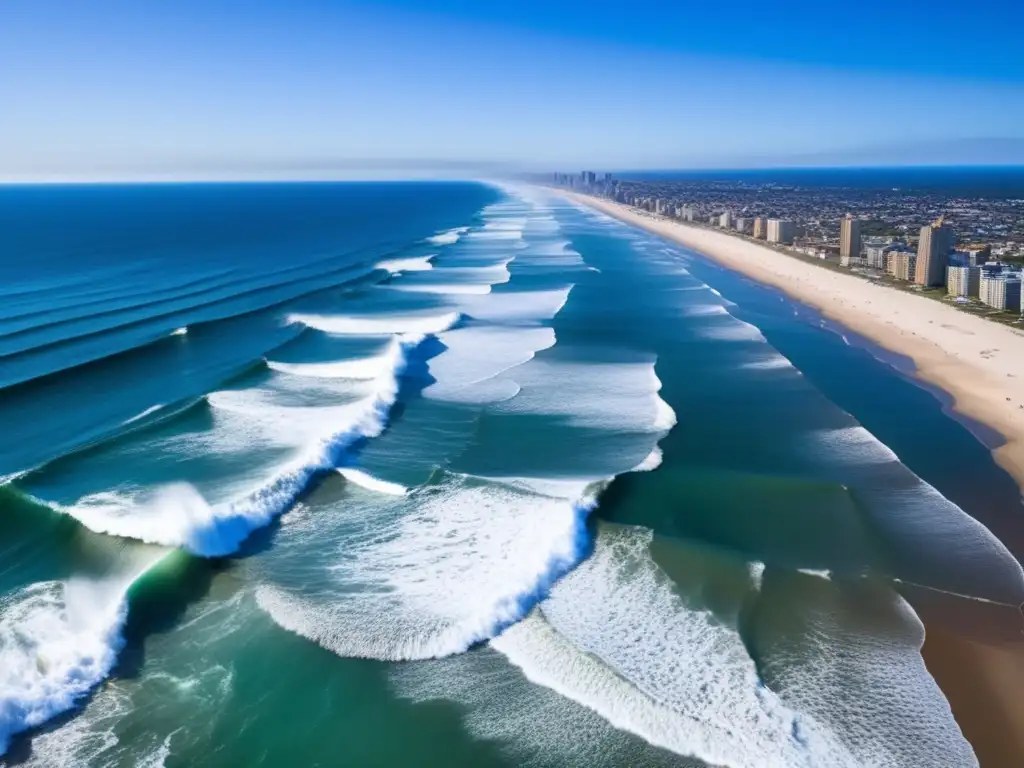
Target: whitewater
(501, 481)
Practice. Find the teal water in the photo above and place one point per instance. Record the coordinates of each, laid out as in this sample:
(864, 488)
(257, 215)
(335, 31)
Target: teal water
(450, 474)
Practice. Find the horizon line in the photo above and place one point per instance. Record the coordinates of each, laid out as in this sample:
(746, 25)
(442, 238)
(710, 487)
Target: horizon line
(299, 179)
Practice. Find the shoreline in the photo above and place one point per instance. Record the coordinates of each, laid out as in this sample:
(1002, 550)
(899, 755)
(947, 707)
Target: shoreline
(986, 386)
(976, 369)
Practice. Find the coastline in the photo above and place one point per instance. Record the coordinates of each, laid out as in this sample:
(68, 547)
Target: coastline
(979, 366)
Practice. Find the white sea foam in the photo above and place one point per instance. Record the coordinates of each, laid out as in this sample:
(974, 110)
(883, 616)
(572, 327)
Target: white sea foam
(372, 483)
(178, 515)
(774, 362)
(574, 489)
(820, 574)
(703, 310)
(731, 330)
(606, 395)
(5, 479)
(157, 757)
(652, 462)
(495, 234)
(460, 563)
(378, 324)
(517, 306)
(180, 331)
(494, 274)
(476, 354)
(97, 735)
(616, 637)
(756, 570)
(859, 670)
(359, 368)
(472, 289)
(58, 639)
(448, 238)
(458, 280)
(143, 414)
(413, 264)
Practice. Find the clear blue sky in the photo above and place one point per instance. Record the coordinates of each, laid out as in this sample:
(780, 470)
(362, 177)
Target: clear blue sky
(223, 88)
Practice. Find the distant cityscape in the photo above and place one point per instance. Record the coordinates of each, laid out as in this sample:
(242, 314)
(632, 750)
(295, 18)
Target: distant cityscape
(972, 247)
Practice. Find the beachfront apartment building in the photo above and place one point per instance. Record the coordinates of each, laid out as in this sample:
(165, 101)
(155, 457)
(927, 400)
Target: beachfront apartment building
(902, 265)
(963, 281)
(977, 254)
(781, 231)
(849, 240)
(877, 254)
(1001, 290)
(933, 251)
(740, 224)
(761, 228)
(725, 220)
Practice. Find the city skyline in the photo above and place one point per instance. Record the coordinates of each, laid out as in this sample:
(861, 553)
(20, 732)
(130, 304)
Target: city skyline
(353, 90)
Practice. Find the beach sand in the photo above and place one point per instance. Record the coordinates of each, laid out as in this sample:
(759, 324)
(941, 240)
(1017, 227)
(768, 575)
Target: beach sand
(980, 364)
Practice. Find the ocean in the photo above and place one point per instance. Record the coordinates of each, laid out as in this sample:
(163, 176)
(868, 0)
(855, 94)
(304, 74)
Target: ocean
(461, 474)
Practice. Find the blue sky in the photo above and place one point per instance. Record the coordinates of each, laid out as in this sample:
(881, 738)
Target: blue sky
(227, 89)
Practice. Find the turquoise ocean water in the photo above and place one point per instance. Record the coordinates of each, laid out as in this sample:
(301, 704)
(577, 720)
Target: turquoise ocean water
(460, 475)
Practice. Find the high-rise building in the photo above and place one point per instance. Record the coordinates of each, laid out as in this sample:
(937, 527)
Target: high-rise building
(760, 228)
(932, 253)
(1001, 290)
(963, 281)
(876, 255)
(977, 253)
(725, 220)
(781, 231)
(902, 265)
(740, 224)
(849, 240)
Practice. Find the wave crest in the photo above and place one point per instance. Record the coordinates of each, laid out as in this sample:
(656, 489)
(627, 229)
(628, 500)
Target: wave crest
(179, 516)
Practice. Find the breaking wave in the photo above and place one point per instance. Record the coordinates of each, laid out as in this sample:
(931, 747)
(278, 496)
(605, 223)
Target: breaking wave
(179, 516)
(412, 264)
(58, 640)
(378, 324)
(448, 238)
(466, 560)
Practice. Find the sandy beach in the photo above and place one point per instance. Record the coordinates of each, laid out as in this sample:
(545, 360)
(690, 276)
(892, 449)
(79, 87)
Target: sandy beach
(980, 365)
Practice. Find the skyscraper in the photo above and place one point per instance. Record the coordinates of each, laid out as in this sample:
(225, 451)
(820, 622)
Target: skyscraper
(963, 281)
(849, 240)
(902, 265)
(780, 231)
(760, 227)
(932, 252)
(978, 254)
(1001, 291)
